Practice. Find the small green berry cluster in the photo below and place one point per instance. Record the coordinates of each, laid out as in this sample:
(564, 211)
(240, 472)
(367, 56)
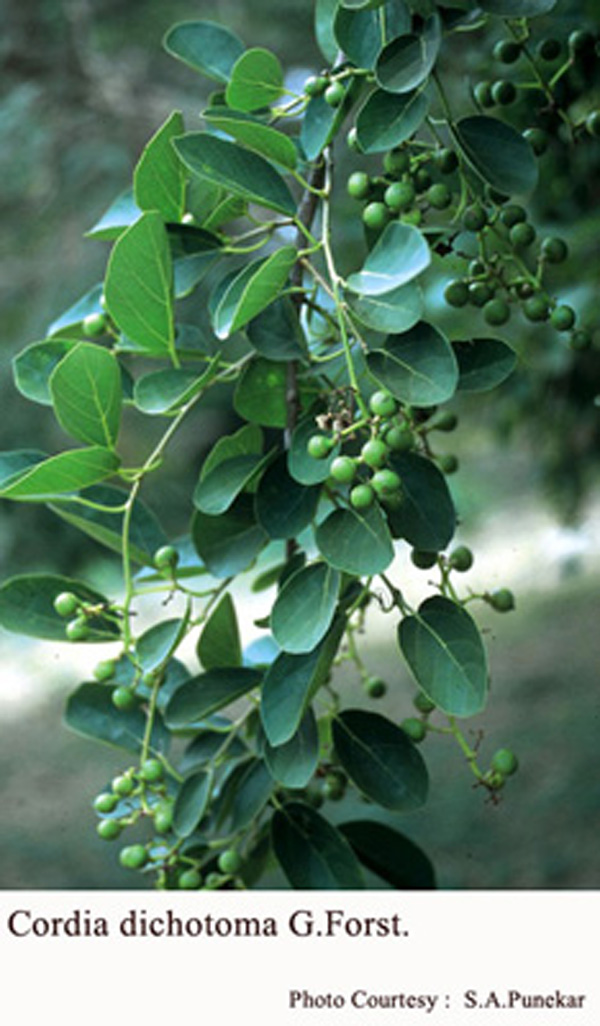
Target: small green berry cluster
(84, 619)
(331, 87)
(504, 764)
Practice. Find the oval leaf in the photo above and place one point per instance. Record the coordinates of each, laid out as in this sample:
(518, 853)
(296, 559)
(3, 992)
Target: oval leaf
(386, 120)
(419, 367)
(260, 396)
(219, 489)
(276, 332)
(380, 760)
(86, 393)
(256, 80)
(33, 367)
(426, 517)
(70, 471)
(284, 508)
(356, 542)
(90, 711)
(219, 643)
(399, 255)
(294, 763)
(205, 47)
(498, 153)
(156, 645)
(191, 802)
(251, 290)
(312, 853)
(407, 61)
(389, 854)
(27, 607)
(393, 312)
(483, 363)
(254, 134)
(304, 609)
(159, 177)
(205, 694)
(228, 544)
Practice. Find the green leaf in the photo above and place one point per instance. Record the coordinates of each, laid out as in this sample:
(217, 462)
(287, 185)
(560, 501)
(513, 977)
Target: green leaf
(90, 711)
(356, 542)
(218, 490)
(380, 760)
(86, 394)
(407, 61)
(32, 368)
(68, 472)
(206, 47)
(312, 853)
(14, 464)
(191, 802)
(76, 314)
(419, 367)
(389, 854)
(294, 763)
(239, 171)
(139, 286)
(284, 508)
(156, 645)
(256, 80)
(483, 363)
(276, 332)
(145, 533)
(26, 607)
(394, 311)
(248, 130)
(444, 651)
(426, 517)
(305, 468)
(325, 11)
(517, 8)
(304, 608)
(290, 683)
(219, 644)
(189, 271)
(207, 693)
(246, 793)
(228, 544)
(320, 124)
(122, 213)
(399, 255)
(165, 391)
(386, 120)
(362, 33)
(251, 290)
(260, 393)
(499, 154)
(247, 441)
(159, 178)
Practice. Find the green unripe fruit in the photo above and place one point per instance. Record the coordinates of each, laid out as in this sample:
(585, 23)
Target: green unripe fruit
(522, 235)
(319, 446)
(385, 482)
(105, 670)
(230, 862)
(579, 41)
(334, 94)
(359, 185)
(477, 268)
(448, 464)
(315, 85)
(375, 687)
(483, 94)
(549, 49)
(504, 92)
(352, 140)
(537, 139)
(423, 560)
(507, 51)
(554, 250)
(105, 802)
(461, 559)
(133, 857)
(562, 318)
(480, 293)
(495, 781)
(399, 196)
(123, 698)
(362, 496)
(423, 703)
(123, 786)
(504, 761)
(94, 325)
(456, 293)
(382, 404)
(536, 308)
(375, 216)
(333, 788)
(502, 600)
(446, 421)
(496, 312)
(446, 161)
(399, 439)
(413, 217)
(66, 604)
(474, 218)
(396, 162)
(512, 214)
(190, 880)
(343, 469)
(166, 557)
(580, 340)
(109, 829)
(439, 196)
(374, 453)
(212, 883)
(163, 819)
(422, 179)
(152, 770)
(415, 729)
(77, 630)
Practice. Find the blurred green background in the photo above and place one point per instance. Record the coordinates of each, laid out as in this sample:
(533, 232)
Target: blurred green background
(84, 84)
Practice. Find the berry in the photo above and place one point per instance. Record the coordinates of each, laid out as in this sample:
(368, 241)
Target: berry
(315, 85)
(105, 802)
(495, 781)
(580, 340)
(562, 318)
(461, 559)
(374, 452)
(439, 196)
(190, 880)
(476, 268)
(319, 446)
(382, 404)
(334, 787)
(549, 49)
(422, 179)
(123, 698)
(230, 861)
(414, 217)
(445, 422)
(496, 311)
(504, 92)
(163, 817)
(334, 94)
(352, 140)
(448, 464)
(385, 482)
(554, 250)
(399, 196)
(536, 308)
(504, 761)
(66, 603)
(456, 293)
(512, 214)
(483, 94)
(423, 560)
(480, 293)
(474, 218)
(579, 41)
(94, 324)
(362, 496)
(359, 185)
(415, 729)
(399, 439)
(537, 139)
(165, 557)
(522, 235)
(212, 882)
(105, 670)
(446, 161)
(109, 829)
(375, 687)
(123, 786)
(152, 770)
(502, 600)
(396, 162)
(133, 857)
(423, 703)
(77, 630)
(507, 51)
(343, 469)
(375, 216)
